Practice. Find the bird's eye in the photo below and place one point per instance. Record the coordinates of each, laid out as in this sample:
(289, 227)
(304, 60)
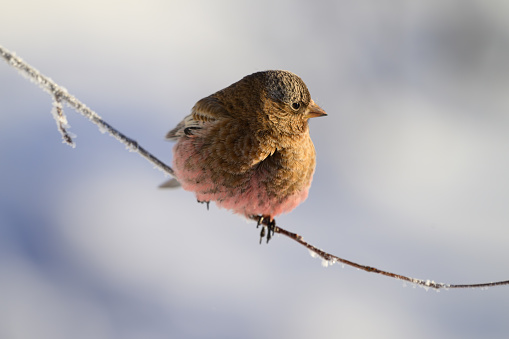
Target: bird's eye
(296, 105)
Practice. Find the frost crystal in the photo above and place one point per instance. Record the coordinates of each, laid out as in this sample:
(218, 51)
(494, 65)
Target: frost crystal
(103, 129)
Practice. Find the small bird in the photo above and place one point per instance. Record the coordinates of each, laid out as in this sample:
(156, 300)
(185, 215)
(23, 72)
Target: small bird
(247, 147)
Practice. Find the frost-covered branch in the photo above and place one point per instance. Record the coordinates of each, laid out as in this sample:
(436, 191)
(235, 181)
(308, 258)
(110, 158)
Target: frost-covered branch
(61, 120)
(329, 259)
(60, 95)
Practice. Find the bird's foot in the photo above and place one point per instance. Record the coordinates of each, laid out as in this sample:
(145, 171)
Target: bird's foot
(204, 202)
(268, 225)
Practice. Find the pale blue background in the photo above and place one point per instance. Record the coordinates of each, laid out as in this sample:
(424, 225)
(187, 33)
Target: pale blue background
(412, 172)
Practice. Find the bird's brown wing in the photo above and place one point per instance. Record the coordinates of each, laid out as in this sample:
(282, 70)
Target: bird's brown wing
(209, 109)
(206, 110)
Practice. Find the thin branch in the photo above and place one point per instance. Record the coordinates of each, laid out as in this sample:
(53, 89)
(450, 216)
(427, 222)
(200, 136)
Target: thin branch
(61, 120)
(60, 94)
(330, 259)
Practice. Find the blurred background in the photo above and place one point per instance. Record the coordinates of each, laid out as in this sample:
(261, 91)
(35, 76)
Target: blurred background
(412, 172)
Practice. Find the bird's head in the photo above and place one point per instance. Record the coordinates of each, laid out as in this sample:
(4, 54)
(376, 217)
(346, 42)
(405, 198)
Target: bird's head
(287, 103)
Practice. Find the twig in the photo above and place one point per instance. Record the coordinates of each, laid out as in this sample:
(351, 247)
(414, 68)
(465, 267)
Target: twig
(332, 259)
(60, 94)
(61, 120)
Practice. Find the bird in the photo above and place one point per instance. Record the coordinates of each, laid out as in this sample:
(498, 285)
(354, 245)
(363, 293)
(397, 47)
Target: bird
(247, 147)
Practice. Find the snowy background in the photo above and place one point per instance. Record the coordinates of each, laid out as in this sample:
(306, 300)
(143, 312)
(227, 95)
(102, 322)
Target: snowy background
(412, 172)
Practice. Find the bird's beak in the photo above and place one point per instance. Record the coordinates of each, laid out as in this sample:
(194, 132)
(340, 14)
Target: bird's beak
(315, 111)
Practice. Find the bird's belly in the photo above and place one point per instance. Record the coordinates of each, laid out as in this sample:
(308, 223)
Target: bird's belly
(252, 198)
(245, 193)
(255, 198)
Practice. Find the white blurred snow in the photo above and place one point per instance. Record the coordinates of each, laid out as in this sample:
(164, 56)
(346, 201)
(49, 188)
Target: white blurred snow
(411, 177)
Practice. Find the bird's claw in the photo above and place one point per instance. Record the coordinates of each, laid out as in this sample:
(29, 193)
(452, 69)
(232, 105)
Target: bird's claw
(266, 223)
(204, 202)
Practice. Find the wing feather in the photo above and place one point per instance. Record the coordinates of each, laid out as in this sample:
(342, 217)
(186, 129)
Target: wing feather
(206, 110)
